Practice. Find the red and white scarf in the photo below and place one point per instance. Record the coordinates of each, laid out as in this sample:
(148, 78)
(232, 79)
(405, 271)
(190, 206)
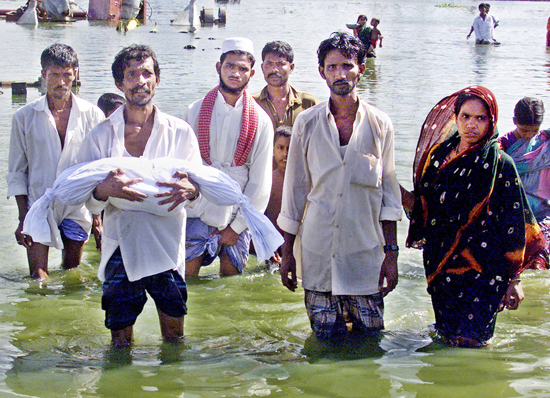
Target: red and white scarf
(249, 125)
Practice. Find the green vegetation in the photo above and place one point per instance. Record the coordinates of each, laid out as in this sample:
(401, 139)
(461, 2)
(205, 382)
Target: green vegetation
(450, 5)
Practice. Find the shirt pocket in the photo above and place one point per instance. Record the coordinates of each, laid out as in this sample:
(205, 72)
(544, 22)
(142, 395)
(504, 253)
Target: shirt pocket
(366, 170)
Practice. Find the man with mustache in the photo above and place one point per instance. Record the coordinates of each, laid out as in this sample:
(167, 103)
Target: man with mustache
(341, 168)
(45, 137)
(236, 136)
(141, 252)
(279, 99)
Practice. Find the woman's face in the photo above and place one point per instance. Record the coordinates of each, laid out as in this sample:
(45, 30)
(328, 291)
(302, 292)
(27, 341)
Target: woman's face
(472, 121)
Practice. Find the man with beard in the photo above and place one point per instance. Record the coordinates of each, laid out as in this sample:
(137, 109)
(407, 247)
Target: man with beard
(141, 252)
(279, 99)
(236, 136)
(45, 138)
(341, 168)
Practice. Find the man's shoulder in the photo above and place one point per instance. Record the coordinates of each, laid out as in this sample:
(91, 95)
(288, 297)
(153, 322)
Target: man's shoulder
(173, 122)
(260, 95)
(307, 100)
(313, 113)
(86, 106)
(28, 108)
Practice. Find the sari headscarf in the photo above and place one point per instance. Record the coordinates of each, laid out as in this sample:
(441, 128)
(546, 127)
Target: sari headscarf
(470, 212)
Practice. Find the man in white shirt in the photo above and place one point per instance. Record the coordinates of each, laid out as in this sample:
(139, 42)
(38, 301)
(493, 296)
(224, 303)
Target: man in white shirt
(236, 136)
(484, 26)
(141, 251)
(45, 137)
(342, 198)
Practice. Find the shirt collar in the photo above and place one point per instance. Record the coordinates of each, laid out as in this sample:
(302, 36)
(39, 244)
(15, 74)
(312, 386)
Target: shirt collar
(292, 96)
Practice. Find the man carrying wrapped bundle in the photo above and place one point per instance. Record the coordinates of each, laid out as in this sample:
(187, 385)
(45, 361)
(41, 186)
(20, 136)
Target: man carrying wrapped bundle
(141, 251)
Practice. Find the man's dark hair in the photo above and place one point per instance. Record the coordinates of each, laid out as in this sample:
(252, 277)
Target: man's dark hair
(280, 48)
(282, 131)
(239, 52)
(59, 55)
(135, 52)
(482, 6)
(349, 46)
(109, 101)
(529, 111)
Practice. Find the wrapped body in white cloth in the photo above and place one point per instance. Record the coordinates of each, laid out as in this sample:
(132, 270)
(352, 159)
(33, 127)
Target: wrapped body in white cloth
(76, 184)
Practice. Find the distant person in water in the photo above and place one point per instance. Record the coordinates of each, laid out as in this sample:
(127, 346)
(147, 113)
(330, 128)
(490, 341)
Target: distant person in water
(109, 102)
(528, 146)
(45, 137)
(376, 35)
(280, 154)
(364, 33)
(484, 26)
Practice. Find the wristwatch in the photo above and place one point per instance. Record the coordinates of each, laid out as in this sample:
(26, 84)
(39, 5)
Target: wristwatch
(393, 248)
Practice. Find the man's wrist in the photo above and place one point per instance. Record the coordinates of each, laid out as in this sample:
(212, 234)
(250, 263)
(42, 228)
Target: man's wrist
(391, 248)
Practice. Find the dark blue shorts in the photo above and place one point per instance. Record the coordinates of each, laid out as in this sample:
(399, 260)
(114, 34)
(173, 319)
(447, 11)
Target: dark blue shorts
(123, 300)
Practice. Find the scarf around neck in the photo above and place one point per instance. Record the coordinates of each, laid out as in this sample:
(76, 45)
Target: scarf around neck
(249, 125)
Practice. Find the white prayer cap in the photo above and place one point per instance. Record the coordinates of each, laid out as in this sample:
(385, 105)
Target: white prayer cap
(237, 44)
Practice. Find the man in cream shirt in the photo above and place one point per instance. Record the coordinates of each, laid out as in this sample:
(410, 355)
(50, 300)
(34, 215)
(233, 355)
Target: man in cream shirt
(341, 168)
(236, 136)
(45, 137)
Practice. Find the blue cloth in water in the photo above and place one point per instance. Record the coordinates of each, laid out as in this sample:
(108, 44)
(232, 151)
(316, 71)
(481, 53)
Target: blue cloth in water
(199, 241)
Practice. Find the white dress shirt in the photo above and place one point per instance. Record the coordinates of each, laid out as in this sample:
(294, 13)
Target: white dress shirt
(346, 193)
(36, 156)
(254, 177)
(485, 28)
(149, 244)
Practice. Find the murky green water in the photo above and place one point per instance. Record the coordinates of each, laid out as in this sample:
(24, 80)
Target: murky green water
(247, 335)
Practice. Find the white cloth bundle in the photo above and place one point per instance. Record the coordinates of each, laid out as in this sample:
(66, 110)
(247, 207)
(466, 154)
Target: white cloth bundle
(75, 185)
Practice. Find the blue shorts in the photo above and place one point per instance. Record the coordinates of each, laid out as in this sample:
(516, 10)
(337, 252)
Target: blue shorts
(73, 231)
(329, 314)
(199, 240)
(123, 300)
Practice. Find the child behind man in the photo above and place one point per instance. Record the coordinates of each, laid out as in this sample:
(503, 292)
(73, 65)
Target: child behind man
(280, 153)
(375, 34)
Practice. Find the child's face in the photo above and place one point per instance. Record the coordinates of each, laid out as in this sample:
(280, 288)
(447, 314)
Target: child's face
(280, 151)
(527, 131)
(374, 23)
(362, 21)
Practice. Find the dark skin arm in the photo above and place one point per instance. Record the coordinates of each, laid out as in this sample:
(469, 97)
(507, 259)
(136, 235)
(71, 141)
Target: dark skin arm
(388, 272)
(288, 264)
(23, 207)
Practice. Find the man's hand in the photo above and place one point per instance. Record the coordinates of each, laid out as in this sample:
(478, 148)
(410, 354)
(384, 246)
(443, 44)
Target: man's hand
(181, 190)
(288, 272)
(514, 296)
(97, 230)
(388, 273)
(228, 236)
(117, 185)
(24, 240)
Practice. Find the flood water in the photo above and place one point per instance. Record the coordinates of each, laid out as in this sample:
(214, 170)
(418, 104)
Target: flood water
(248, 335)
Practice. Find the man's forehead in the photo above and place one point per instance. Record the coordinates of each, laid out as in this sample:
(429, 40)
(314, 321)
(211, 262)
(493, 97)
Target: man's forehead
(60, 69)
(139, 63)
(275, 56)
(337, 55)
(237, 59)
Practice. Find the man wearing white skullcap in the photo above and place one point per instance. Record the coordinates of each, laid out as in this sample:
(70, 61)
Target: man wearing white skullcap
(236, 136)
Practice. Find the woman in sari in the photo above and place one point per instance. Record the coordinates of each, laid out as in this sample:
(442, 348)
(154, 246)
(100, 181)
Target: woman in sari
(529, 147)
(470, 217)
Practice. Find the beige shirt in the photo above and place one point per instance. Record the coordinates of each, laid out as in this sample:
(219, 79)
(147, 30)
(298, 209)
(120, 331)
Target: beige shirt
(149, 243)
(298, 101)
(36, 157)
(347, 194)
(254, 176)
